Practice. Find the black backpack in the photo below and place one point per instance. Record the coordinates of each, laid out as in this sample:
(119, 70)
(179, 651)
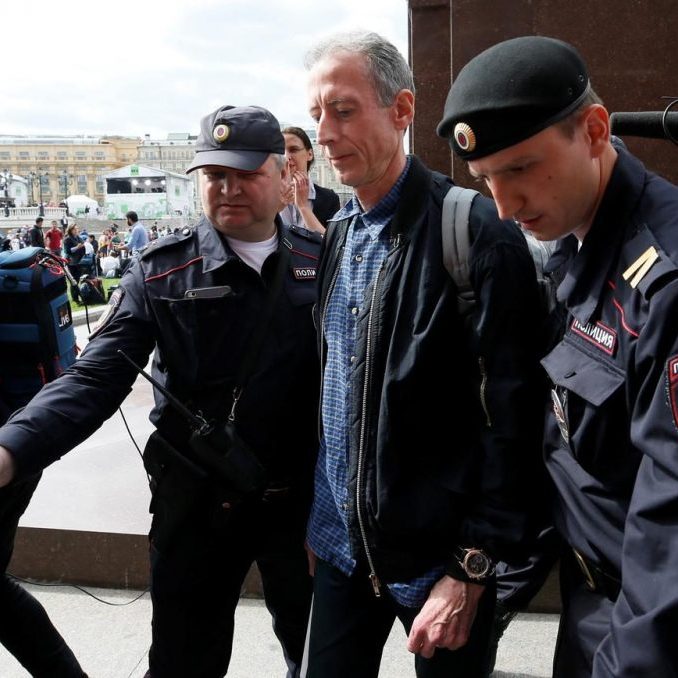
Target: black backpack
(457, 245)
(37, 339)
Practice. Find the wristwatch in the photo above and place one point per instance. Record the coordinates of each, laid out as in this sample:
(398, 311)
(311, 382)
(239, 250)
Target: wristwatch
(475, 562)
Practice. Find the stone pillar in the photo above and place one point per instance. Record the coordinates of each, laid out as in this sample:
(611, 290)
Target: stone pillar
(628, 46)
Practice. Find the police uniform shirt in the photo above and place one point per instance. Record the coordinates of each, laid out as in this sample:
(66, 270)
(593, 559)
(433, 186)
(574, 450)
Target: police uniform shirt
(612, 439)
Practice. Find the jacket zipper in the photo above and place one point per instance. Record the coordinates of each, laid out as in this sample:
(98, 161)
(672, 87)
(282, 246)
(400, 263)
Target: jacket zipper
(374, 579)
(483, 389)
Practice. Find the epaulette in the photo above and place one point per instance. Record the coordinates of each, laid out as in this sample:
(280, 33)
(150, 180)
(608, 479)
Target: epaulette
(646, 263)
(166, 241)
(305, 233)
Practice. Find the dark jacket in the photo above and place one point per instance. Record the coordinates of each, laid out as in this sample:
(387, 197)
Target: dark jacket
(71, 250)
(325, 204)
(36, 237)
(199, 345)
(612, 450)
(444, 443)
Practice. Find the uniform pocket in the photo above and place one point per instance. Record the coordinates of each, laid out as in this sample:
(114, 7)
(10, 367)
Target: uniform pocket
(589, 408)
(593, 380)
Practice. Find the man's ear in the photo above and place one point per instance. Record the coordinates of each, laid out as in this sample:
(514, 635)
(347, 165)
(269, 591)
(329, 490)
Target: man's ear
(403, 109)
(596, 122)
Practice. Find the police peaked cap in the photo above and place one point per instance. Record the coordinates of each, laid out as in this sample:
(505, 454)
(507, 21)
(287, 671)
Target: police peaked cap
(510, 92)
(239, 137)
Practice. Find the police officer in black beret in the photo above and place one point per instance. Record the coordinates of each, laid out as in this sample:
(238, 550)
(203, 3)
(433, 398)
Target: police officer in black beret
(227, 309)
(524, 116)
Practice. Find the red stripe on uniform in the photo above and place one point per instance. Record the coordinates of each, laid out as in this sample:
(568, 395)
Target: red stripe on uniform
(304, 254)
(172, 270)
(632, 332)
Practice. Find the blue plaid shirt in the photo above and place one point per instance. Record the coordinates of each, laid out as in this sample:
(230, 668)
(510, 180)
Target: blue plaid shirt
(367, 244)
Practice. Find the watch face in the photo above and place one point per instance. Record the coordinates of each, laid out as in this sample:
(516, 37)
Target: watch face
(476, 564)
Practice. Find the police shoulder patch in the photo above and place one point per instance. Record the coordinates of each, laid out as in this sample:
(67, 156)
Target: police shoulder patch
(109, 311)
(164, 242)
(305, 233)
(672, 383)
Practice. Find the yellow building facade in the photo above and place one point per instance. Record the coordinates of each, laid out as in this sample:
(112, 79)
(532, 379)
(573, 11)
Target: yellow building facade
(57, 167)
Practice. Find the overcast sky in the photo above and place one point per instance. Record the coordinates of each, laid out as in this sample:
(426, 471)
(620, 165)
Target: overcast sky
(136, 67)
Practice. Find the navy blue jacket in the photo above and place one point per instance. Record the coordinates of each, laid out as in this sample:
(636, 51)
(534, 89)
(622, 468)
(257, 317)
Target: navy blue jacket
(612, 448)
(199, 344)
(445, 444)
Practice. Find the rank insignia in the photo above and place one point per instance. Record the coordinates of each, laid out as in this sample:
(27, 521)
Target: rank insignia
(639, 268)
(672, 379)
(465, 137)
(220, 133)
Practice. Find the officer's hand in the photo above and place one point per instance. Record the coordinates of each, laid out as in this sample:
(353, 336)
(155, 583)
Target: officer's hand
(6, 466)
(446, 618)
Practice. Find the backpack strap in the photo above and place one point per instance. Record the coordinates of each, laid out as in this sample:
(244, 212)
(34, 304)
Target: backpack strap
(456, 239)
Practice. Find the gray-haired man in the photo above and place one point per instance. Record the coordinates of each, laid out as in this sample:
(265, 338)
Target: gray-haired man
(416, 495)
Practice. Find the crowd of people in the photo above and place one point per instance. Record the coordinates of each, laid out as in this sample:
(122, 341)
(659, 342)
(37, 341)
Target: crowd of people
(443, 460)
(85, 254)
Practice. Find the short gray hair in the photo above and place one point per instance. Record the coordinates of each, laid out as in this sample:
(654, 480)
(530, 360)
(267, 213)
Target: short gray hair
(279, 160)
(385, 64)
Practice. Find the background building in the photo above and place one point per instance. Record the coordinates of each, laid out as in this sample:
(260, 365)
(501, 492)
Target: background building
(55, 166)
(627, 47)
(150, 192)
(173, 154)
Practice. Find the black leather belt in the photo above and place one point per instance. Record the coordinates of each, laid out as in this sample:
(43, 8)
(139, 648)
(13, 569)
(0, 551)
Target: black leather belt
(595, 578)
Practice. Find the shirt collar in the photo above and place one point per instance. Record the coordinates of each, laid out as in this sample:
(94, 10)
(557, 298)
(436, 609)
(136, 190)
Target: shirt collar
(583, 284)
(383, 211)
(213, 248)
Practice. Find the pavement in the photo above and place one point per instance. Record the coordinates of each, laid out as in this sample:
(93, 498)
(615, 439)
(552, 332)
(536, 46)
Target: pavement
(101, 487)
(112, 642)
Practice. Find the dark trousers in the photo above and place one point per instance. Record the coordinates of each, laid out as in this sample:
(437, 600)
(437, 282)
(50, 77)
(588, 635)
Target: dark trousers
(25, 629)
(584, 622)
(349, 627)
(196, 583)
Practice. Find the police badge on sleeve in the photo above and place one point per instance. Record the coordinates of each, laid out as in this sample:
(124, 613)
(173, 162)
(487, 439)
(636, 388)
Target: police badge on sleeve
(109, 311)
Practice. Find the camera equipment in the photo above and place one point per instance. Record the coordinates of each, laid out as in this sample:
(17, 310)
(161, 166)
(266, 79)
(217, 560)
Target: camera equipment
(649, 124)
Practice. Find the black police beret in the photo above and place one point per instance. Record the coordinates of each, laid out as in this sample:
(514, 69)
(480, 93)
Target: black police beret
(510, 92)
(240, 137)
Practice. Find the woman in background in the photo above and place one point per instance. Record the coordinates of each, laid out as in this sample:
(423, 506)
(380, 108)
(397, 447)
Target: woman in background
(308, 205)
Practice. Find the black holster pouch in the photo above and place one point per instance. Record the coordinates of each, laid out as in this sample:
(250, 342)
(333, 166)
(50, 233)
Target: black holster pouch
(234, 465)
(179, 489)
(189, 489)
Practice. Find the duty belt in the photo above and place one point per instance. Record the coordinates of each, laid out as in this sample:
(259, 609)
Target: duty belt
(595, 578)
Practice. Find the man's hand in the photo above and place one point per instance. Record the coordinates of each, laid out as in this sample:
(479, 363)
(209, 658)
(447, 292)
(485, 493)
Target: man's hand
(6, 466)
(446, 618)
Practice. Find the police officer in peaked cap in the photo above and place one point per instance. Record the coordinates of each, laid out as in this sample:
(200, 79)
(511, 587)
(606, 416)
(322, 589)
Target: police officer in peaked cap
(525, 118)
(226, 308)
